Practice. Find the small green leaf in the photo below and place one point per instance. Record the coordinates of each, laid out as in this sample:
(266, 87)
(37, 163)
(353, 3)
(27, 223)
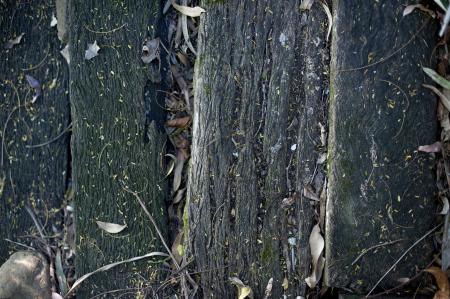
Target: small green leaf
(437, 78)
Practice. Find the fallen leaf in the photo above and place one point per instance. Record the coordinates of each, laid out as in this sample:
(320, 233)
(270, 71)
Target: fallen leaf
(288, 201)
(403, 280)
(441, 281)
(177, 247)
(445, 206)
(65, 53)
(285, 284)
(111, 228)
(178, 171)
(184, 60)
(112, 265)
(91, 51)
(444, 99)
(35, 85)
(431, 148)
(322, 158)
(179, 196)
(56, 296)
(59, 271)
(410, 8)
(179, 122)
(244, 291)
(12, 42)
(54, 21)
(309, 193)
(269, 287)
(437, 78)
(316, 244)
(306, 4)
(329, 16)
(150, 50)
(188, 11)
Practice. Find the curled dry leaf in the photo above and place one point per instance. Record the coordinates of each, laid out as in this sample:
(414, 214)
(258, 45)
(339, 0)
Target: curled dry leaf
(54, 21)
(441, 281)
(56, 296)
(437, 78)
(269, 287)
(179, 196)
(177, 247)
(329, 16)
(188, 11)
(410, 8)
(35, 85)
(91, 51)
(111, 228)
(316, 244)
(445, 100)
(150, 50)
(431, 148)
(309, 193)
(306, 4)
(65, 53)
(445, 206)
(244, 291)
(178, 171)
(179, 122)
(15, 41)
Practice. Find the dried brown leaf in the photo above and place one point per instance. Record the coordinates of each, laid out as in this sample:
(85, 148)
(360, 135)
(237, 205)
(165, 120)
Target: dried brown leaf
(179, 122)
(410, 8)
(179, 196)
(188, 11)
(309, 193)
(150, 50)
(91, 51)
(244, 291)
(445, 206)
(15, 41)
(177, 247)
(178, 171)
(269, 287)
(65, 53)
(441, 281)
(316, 244)
(306, 4)
(431, 148)
(111, 228)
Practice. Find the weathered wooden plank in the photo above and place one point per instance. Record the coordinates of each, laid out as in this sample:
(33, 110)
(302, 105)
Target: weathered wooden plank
(381, 189)
(31, 176)
(249, 111)
(114, 144)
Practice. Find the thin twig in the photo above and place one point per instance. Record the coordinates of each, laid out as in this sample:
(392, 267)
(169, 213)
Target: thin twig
(401, 257)
(366, 250)
(383, 59)
(407, 104)
(105, 32)
(51, 140)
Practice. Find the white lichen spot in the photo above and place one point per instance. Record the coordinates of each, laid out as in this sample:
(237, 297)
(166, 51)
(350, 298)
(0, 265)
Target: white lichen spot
(283, 39)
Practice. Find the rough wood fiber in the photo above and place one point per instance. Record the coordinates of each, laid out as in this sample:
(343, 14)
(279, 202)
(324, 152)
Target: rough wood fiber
(113, 143)
(34, 177)
(380, 188)
(256, 95)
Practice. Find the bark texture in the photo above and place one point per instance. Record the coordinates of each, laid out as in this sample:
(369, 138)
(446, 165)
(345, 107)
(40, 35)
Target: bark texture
(33, 171)
(115, 144)
(258, 96)
(381, 188)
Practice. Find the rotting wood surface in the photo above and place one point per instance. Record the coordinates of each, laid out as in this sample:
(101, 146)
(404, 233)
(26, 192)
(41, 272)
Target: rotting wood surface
(260, 79)
(114, 145)
(34, 162)
(381, 189)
